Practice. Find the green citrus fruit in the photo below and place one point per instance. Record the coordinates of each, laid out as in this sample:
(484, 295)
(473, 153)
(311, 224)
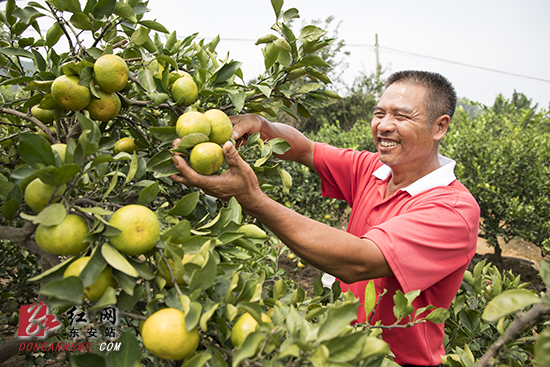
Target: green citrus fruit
(66, 238)
(192, 122)
(206, 158)
(38, 194)
(165, 274)
(98, 287)
(165, 335)
(245, 325)
(111, 73)
(140, 229)
(185, 88)
(70, 95)
(221, 128)
(61, 149)
(43, 134)
(106, 107)
(126, 144)
(42, 114)
(175, 75)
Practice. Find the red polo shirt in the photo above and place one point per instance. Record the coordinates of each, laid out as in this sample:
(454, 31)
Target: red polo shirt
(427, 232)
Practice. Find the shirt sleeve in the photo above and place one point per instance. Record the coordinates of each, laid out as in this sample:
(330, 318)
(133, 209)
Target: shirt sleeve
(429, 242)
(339, 170)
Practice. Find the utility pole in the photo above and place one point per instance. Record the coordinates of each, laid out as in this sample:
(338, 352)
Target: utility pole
(377, 64)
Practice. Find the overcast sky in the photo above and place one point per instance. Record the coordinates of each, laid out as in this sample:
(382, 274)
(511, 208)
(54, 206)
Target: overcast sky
(464, 40)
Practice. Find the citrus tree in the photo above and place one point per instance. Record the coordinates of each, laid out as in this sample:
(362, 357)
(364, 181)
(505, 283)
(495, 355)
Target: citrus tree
(98, 98)
(502, 157)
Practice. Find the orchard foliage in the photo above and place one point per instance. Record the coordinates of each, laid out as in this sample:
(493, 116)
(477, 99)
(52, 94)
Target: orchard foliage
(502, 158)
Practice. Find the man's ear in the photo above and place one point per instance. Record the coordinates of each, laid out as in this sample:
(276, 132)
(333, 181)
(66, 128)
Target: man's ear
(440, 126)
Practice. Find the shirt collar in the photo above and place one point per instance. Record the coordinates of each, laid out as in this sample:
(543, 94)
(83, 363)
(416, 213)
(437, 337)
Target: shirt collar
(443, 176)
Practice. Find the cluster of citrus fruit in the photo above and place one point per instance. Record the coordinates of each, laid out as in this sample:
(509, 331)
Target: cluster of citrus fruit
(209, 131)
(110, 75)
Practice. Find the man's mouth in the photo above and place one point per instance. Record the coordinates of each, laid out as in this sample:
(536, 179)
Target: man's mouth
(388, 143)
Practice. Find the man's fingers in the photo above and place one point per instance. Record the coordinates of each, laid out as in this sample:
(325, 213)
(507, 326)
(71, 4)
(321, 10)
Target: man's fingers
(175, 143)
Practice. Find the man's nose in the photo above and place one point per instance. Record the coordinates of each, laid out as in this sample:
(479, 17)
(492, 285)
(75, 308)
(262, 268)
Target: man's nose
(386, 124)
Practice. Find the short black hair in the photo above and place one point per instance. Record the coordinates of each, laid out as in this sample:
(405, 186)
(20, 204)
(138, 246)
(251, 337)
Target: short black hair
(441, 97)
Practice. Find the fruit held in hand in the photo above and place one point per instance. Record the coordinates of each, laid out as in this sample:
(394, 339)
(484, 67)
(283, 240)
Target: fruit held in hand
(206, 158)
(66, 238)
(98, 287)
(165, 335)
(192, 122)
(221, 128)
(140, 229)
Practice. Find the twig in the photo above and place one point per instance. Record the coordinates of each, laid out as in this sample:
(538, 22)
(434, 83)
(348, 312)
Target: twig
(523, 321)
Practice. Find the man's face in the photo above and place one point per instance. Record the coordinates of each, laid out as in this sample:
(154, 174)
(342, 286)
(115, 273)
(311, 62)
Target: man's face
(400, 127)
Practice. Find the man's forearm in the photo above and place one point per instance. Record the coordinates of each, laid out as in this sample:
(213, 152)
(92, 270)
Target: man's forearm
(334, 251)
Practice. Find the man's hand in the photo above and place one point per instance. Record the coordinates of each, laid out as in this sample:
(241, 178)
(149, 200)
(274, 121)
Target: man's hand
(244, 126)
(239, 181)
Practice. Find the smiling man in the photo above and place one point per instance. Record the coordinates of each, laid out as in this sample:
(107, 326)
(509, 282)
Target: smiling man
(413, 226)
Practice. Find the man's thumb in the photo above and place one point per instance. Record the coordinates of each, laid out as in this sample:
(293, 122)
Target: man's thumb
(232, 157)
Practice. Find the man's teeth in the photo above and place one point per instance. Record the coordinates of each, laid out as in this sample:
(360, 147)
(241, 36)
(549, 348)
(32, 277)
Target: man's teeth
(388, 143)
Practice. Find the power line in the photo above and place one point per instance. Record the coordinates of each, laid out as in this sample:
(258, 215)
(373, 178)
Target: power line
(451, 62)
(423, 56)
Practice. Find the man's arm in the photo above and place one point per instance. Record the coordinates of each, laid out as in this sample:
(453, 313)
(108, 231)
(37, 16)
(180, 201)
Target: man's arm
(336, 252)
(301, 148)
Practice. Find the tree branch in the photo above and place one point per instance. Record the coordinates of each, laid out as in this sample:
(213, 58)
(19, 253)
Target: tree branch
(32, 119)
(523, 321)
(21, 237)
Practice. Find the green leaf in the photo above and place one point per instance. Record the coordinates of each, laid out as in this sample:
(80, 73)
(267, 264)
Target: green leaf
(53, 273)
(35, 150)
(268, 38)
(103, 8)
(82, 21)
(199, 360)
(107, 299)
(190, 140)
(54, 34)
(542, 348)
(438, 316)
(117, 260)
(249, 348)
(185, 205)
(277, 5)
(51, 216)
(65, 173)
(148, 193)
(67, 289)
(545, 272)
(311, 33)
(227, 71)
(279, 289)
(403, 306)
(27, 14)
(151, 24)
(9, 208)
(129, 354)
(508, 302)
(88, 359)
(147, 81)
(337, 320)
(133, 168)
(238, 99)
(370, 297)
(125, 11)
(314, 60)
